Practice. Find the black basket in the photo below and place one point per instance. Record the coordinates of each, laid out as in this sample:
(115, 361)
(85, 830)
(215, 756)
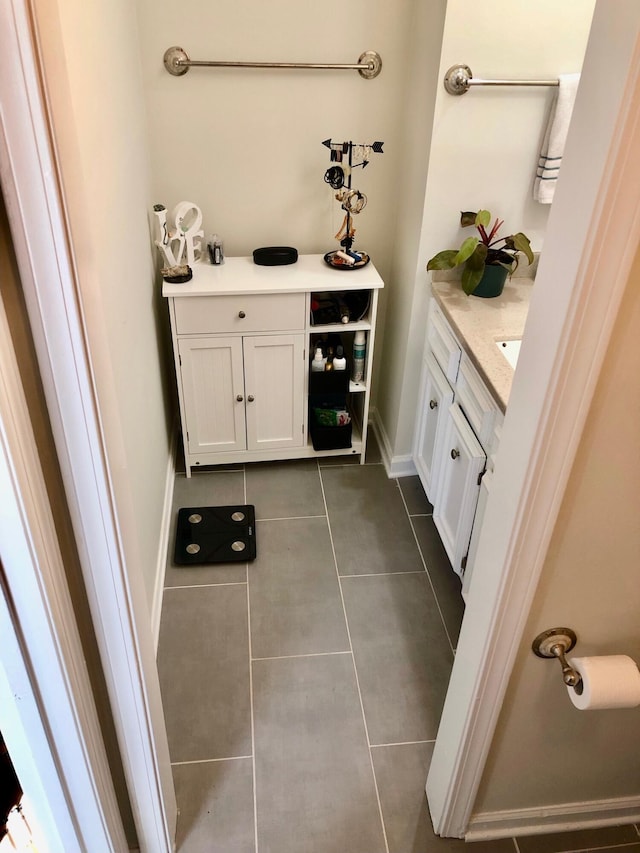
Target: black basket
(323, 382)
(330, 437)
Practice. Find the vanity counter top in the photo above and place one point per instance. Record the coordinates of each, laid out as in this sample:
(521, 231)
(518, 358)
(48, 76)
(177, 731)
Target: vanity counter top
(478, 323)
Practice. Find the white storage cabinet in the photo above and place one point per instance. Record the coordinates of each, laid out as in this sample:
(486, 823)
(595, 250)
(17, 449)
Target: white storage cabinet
(242, 340)
(456, 431)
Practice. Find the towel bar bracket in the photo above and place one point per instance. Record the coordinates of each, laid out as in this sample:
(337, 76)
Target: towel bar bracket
(177, 62)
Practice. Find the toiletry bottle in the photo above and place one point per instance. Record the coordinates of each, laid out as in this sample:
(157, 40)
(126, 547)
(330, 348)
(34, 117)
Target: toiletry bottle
(318, 360)
(329, 364)
(339, 361)
(359, 350)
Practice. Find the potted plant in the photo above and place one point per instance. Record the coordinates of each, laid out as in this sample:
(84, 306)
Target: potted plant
(487, 259)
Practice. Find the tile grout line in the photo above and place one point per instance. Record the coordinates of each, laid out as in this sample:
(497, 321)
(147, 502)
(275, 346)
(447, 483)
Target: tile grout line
(401, 743)
(310, 655)
(383, 574)
(413, 530)
(355, 669)
(290, 518)
(204, 585)
(253, 730)
(210, 760)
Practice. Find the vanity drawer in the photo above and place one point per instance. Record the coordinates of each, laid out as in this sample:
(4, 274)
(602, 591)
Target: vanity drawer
(475, 401)
(269, 312)
(443, 345)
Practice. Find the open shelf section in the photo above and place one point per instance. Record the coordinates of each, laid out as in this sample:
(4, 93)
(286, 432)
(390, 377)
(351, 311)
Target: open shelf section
(334, 310)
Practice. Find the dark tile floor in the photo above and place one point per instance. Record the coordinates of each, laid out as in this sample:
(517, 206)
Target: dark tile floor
(302, 691)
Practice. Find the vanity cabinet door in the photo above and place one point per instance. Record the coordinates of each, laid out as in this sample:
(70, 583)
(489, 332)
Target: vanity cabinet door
(213, 393)
(463, 460)
(274, 368)
(436, 396)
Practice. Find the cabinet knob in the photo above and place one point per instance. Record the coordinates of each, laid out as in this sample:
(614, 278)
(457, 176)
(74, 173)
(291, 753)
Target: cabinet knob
(455, 453)
(241, 314)
(239, 398)
(433, 404)
(250, 398)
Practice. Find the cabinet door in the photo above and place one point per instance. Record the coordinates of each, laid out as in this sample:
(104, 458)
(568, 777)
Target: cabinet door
(274, 369)
(436, 397)
(212, 382)
(463, 460)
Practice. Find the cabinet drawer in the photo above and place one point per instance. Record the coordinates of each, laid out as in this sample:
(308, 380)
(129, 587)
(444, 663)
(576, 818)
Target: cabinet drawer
(476, 402)
(280, 312)
(443, 344)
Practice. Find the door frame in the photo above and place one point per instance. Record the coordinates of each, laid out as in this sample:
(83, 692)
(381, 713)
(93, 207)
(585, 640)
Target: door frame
(28, 173)
(596, 211)
(47, 711)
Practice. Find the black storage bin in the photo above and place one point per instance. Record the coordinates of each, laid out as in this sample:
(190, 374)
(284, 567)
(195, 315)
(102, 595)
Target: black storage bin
(323, 382)
(330, 437)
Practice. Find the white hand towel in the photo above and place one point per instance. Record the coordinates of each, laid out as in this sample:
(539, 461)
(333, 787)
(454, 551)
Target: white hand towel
(554, 139)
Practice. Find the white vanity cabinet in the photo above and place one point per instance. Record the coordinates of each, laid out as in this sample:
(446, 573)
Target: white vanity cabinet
(455, 434)
(436, 397)
(243, 338)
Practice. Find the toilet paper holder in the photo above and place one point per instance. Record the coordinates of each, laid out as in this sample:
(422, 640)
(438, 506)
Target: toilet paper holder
(555, 643)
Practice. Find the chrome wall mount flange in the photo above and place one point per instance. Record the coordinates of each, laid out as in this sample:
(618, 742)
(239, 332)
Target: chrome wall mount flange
(174, 57)
(373, 60)
(456, 80)
(555, 643)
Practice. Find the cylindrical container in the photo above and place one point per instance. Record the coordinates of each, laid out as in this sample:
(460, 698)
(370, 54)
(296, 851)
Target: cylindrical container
(214, 247)
(359, 353)
(339, 361)
(319, 360)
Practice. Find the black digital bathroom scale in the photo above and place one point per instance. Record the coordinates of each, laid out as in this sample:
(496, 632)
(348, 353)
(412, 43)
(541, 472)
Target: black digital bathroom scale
(215, 534)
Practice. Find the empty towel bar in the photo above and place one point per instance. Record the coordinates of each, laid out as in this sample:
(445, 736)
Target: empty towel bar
(459, 80)
(177, 62)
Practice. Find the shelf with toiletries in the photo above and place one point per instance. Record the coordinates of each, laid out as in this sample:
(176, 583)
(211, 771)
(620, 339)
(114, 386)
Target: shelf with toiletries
(334, 310)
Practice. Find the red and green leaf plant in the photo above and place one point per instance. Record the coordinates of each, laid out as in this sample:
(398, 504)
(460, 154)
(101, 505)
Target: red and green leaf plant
(476, 252)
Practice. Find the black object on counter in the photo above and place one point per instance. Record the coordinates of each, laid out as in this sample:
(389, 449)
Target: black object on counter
(275, 256)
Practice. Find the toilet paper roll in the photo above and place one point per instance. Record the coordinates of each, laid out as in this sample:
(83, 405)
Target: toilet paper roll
(608, 681)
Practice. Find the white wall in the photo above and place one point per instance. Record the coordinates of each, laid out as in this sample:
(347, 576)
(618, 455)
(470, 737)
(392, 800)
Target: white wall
(92, 69)
(484, 150)
(245, 144)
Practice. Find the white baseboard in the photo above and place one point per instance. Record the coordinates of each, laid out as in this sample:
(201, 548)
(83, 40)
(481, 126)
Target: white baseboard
(163, 547)
(545, 819)
(395, 466)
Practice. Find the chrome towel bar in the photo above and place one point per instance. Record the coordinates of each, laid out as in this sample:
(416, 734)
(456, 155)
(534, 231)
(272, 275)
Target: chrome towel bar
(177, 62)
(459, 80)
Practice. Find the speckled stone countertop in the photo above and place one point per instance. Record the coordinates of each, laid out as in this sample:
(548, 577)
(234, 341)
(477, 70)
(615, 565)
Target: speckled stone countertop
(478, 323)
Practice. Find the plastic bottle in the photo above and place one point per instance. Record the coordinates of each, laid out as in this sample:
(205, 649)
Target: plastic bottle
(318, 360)
(329, 359)
(339, 361)
(359, 351)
